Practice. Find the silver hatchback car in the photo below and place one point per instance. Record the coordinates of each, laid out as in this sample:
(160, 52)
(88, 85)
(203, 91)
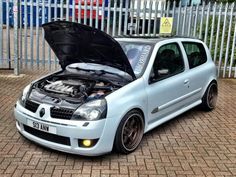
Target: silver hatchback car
(110, 92)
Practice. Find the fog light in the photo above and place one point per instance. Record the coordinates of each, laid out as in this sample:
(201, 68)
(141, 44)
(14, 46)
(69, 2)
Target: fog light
(87, 143)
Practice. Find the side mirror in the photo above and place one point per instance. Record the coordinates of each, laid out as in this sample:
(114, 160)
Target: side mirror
(161, 75)
(163, 72)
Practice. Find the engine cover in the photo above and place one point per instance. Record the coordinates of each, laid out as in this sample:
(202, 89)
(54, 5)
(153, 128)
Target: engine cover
(64, 87)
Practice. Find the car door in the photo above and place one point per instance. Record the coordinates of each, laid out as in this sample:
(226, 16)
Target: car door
(198, 69)
(168, 83)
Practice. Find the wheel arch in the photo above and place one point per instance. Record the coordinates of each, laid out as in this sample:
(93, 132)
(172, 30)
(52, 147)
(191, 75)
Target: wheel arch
(141, 111)
(208, 83)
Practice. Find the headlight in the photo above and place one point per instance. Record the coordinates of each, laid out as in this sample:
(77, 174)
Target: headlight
(24, 94)
(92, 110)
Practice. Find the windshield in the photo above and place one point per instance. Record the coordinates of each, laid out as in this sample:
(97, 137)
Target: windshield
(97, 69)
(138, 55)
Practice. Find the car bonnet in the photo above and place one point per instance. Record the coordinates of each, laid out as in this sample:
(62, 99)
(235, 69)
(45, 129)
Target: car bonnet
(74, 43)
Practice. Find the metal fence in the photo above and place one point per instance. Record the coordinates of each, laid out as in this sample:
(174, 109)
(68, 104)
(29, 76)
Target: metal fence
(214, 23)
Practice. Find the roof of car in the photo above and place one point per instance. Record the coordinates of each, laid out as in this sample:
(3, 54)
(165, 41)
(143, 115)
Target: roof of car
(152, 39)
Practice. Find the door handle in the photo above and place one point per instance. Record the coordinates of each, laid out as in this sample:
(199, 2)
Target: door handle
(186, 81)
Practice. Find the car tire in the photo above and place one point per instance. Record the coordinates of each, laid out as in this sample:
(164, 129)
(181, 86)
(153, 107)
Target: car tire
(210, 97)
(129, 132)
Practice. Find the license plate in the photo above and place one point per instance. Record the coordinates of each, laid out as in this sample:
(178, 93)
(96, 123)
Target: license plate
(41, 127)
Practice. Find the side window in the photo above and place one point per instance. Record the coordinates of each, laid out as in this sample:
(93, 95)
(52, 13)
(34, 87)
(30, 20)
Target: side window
(168, 62)
(196, 53)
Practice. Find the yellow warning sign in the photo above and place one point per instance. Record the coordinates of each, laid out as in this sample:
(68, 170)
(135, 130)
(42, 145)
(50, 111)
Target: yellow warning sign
(166, 25)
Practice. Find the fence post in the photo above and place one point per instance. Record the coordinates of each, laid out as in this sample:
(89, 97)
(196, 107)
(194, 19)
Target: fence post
(222, 39)
(1, 33)
(16, 59)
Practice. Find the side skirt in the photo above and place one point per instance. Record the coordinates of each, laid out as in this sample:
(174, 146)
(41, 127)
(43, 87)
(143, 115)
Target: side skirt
(171, 116)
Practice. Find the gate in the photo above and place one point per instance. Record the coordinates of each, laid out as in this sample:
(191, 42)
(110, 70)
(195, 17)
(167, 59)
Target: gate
(24, 46)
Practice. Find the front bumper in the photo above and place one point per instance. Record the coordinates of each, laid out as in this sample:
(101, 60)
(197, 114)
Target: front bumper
(66, 133)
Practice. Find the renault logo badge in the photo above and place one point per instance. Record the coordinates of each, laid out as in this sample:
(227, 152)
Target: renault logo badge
(42, 112)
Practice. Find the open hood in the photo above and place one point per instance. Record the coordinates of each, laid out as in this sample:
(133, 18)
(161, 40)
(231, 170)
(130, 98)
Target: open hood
(74, 43)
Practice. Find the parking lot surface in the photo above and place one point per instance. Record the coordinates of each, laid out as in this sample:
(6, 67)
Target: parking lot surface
(194, 144)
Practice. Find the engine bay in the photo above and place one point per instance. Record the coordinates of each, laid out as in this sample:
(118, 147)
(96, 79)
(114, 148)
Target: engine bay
(76, 88)
(65, 91)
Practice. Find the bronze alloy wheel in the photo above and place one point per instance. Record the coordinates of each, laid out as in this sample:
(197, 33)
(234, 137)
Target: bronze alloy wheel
(132, 132)
(129, 132)
(212, 96)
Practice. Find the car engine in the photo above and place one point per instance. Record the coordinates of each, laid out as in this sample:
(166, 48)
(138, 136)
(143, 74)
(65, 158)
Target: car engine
(71, 88)
(76, 88)
(69, 92)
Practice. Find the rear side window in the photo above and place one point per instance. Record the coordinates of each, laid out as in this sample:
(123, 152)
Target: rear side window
(196, 53)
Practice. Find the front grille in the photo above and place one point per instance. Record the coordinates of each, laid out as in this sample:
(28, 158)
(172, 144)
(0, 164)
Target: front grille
(48, 136)
(32, 106)
(61, 113)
